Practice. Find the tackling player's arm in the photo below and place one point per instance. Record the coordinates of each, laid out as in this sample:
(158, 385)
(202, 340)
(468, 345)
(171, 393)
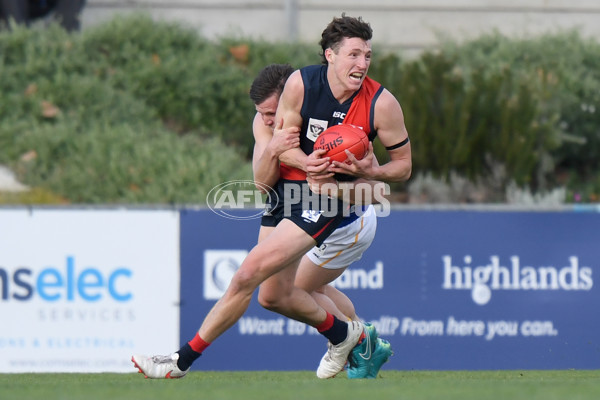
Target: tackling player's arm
(389, 122)
(268, 146)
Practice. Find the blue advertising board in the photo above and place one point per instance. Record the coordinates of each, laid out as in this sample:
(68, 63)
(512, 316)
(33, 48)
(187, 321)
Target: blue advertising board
(450, 290)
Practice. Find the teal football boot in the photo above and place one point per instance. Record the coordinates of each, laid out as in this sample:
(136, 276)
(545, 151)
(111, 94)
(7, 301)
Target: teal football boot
(381, 355)
(360, 358)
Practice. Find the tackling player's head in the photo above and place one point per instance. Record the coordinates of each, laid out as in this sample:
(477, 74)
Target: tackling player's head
(266, 90)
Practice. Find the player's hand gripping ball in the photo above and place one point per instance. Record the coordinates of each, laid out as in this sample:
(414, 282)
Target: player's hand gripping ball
(338, 138)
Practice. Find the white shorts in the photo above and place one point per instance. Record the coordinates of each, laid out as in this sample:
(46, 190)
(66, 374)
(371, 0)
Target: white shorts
(347, 243)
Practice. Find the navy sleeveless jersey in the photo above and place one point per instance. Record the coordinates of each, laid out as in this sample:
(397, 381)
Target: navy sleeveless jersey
(320, 110)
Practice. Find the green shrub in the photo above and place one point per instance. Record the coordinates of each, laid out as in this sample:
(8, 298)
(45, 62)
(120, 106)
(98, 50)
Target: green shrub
(564, 71)
(175, 71)
(79, 118)
(191, 83)
(524, 107)
(125, 164)
(139, 111)
(471, 122)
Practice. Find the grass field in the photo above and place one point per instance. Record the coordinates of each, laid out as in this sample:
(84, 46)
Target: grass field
(460, 385)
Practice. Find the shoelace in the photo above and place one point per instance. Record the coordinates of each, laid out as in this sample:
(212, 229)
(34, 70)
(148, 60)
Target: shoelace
(162, 359)
(331, 352)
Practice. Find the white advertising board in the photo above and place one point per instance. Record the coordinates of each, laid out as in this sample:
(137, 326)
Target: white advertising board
(83, 290)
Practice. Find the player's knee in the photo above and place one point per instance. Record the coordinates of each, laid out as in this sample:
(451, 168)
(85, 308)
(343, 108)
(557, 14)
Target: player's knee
(270, 301)
(243, 282)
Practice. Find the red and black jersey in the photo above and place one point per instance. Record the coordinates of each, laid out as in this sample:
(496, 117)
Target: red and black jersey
(320, 110)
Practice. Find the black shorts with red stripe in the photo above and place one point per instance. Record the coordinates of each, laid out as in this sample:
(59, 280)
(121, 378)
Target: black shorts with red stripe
(315, 214)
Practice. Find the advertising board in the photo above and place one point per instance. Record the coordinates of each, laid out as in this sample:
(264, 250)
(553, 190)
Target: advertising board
(449, 289)
(83, 290)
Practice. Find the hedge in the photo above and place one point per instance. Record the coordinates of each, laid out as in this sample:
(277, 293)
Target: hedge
(139, 111)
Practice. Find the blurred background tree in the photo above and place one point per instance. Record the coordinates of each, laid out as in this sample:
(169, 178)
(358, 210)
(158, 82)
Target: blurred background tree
(138, 111)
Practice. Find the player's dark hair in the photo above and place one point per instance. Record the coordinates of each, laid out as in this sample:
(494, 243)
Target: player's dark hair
(269, 81)
(341, 28)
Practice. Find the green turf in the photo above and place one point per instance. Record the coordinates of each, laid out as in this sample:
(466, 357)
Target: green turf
(460, 385)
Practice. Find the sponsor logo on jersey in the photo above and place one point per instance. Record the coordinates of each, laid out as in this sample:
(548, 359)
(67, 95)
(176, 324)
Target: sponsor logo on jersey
(339, 114)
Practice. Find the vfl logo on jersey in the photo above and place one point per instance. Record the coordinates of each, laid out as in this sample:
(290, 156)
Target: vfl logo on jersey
(311, 215)
(315, 128)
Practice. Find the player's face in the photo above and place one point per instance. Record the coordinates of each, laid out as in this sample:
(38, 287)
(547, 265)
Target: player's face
(267, 110)
(351, 62)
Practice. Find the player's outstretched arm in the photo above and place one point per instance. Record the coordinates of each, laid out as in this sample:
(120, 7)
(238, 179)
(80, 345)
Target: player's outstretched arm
(268, 146)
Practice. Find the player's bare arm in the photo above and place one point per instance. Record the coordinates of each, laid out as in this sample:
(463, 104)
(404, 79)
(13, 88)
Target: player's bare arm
(288, 111)
(389, 122)
(268, 145)
(265, 164)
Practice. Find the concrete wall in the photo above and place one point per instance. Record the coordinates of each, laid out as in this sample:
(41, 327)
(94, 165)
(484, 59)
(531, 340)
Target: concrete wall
(409, 25)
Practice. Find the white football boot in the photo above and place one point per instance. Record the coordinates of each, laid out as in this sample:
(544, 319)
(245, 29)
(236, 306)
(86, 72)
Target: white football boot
(334, 360)
(159, 367)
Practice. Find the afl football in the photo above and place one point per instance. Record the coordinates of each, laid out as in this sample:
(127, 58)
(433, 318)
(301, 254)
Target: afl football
(338, 138)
